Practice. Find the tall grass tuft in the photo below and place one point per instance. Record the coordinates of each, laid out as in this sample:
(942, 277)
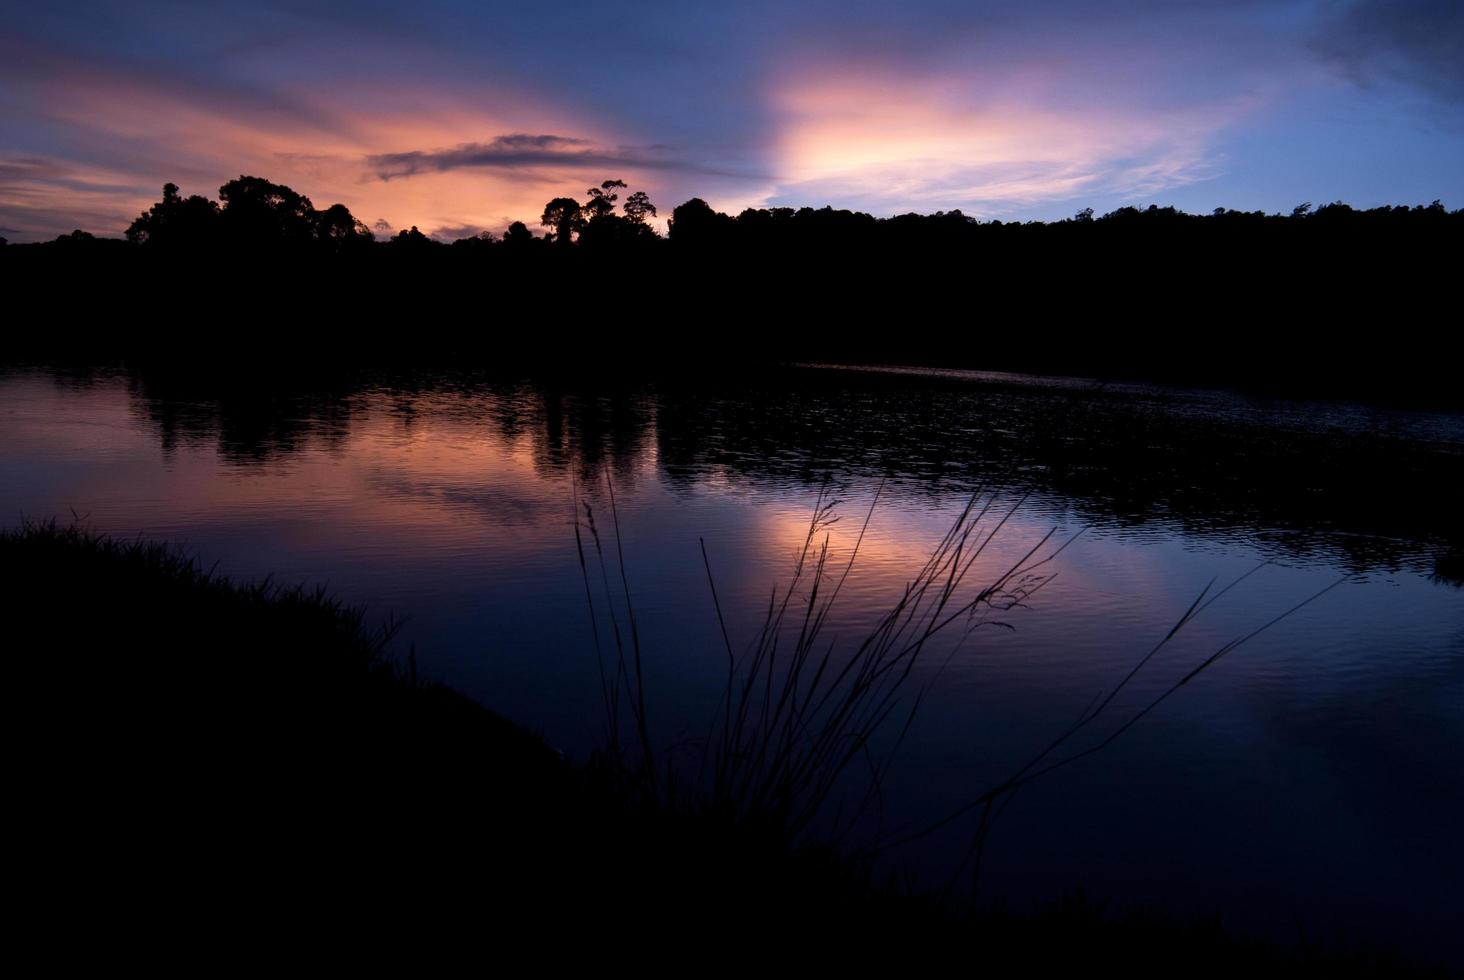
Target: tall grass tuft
(805, 729)
(798, 712)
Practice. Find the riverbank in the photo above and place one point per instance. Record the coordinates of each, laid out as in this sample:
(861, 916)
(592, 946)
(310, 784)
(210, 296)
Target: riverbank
(216, 765)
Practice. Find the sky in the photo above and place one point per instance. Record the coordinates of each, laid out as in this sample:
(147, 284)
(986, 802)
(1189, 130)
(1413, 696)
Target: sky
(459, 117)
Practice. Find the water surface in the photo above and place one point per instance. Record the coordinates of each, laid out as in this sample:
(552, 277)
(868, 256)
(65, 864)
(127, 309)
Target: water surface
(1311, 779)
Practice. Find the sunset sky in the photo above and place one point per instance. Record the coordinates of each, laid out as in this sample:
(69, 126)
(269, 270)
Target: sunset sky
(459, 117)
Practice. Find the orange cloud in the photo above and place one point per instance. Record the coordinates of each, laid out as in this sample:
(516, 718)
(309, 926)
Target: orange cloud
(902, 142)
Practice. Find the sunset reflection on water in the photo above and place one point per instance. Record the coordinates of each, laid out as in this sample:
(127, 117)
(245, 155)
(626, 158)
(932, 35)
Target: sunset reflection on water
(450, 503)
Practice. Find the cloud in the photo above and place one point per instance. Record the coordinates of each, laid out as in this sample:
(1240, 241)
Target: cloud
(452, 233)
(887, 144)
(1419, 42)
(516, 152)
(512, 152)
(42, 197)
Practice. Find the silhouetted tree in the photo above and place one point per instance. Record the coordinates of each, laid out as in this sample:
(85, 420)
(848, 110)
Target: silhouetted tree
(695, 223)
(602, 199)
(255, 214)
(337, 227)
(176, 221)
(256, 211)
(565, 216)
(638, 207)
(411, 239)
(518, 235)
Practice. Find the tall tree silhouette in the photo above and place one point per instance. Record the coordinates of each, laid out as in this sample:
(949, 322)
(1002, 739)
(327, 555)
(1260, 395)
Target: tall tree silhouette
(176, 221)
(518, 236)
(337, 227)
(695, 223)
(638, 207)
(255, 214)
(256, 211)
(565, 216)
(602, 199)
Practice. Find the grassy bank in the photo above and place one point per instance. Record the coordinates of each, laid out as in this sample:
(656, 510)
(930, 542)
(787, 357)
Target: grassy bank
(210, 768)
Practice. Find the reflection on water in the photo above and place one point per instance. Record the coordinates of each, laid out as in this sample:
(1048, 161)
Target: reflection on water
(1313, 777)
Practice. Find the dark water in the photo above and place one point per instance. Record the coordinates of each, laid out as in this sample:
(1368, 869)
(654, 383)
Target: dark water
(1312, 779)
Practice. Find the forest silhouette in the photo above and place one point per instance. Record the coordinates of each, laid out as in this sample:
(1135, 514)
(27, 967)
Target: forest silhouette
(1321, 299)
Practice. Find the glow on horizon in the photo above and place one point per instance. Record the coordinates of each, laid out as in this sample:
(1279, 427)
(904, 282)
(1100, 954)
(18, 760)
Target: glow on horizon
(1009, 111)
(318, 147)
(923, 145)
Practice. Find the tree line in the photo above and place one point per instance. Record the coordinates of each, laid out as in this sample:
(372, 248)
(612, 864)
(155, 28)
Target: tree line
(254, 213)
(1316, 299)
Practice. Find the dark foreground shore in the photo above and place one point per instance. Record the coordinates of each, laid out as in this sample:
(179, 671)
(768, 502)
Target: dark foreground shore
(223, 773)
